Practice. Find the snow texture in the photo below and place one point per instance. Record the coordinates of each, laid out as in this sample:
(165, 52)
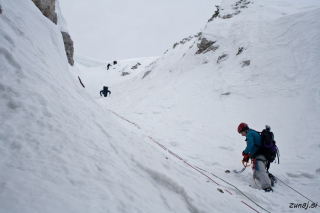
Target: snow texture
(152, 145)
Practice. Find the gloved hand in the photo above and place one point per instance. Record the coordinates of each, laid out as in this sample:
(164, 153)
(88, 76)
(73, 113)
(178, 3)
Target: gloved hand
(246, 157)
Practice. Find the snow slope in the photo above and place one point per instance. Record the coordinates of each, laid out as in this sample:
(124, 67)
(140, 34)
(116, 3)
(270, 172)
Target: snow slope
(63, 150)
(101, 76)
(181, 102)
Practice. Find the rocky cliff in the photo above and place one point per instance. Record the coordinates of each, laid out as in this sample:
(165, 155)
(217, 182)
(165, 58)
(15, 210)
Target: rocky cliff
(68, 44)
(47, 7)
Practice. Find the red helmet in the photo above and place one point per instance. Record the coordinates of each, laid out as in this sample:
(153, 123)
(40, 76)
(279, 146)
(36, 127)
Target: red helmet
(242, 127)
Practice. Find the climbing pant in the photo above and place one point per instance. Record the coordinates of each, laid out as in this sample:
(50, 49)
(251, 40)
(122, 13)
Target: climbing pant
(260, 172)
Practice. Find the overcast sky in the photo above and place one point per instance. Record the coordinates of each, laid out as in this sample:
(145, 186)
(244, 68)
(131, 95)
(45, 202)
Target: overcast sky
(122, 29)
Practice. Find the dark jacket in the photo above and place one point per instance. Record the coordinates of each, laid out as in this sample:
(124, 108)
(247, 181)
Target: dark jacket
(105, 92)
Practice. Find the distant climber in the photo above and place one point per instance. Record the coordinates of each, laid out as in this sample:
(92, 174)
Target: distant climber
(108, 66)
(114, 62)
(105, 91)
(259, 161)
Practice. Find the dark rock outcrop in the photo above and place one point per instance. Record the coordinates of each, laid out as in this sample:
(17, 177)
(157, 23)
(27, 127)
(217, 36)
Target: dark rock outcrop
(227, 16)
(215, 15)
(185, 40)
(206, 46)
(222, 58)
(135, 66)
(47, 7)
(245, 63)
(227, 93)
(147, 73)
(0, 9)
(199, 34)
(240, 50)
(237, 12)
(68, 45)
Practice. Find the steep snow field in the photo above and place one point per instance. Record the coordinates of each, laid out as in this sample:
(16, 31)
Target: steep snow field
(66, 149)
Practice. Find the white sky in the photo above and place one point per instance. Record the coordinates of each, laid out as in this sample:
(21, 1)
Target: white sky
(101, 29)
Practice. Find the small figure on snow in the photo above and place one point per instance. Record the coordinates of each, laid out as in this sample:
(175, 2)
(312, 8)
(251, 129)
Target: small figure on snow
(114, 62)
(259, 161)
(105, 91)
(108, 66)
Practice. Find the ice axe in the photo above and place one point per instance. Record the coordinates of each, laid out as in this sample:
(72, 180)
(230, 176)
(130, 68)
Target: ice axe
(235, 171)
(245, 164)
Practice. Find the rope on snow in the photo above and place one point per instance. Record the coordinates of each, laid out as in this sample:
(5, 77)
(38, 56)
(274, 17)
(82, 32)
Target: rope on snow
(163, 147)
(125, 119)
(237, 190)
(198, 170)
(194, 167)
(294, 190)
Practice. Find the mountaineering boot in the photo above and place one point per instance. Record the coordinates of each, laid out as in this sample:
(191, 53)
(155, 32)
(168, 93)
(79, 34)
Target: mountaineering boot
(269, 189)
(272, 178)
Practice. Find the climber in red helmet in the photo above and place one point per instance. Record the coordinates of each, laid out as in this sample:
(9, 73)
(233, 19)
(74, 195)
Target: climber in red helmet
(259, 161)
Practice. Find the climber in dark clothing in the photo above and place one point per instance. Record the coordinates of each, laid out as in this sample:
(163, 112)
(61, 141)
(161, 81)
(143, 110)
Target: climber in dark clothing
(114, 62)
(108, 66)
(105, 92)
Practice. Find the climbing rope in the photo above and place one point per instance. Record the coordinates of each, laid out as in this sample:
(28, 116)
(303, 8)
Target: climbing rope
(125, 119)
(237, 190)
(198, 169)
(294, 189)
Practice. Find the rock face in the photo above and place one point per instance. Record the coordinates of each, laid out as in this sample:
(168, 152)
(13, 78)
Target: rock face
(135, 66)
(206, 46)
(222, 58)
(216, 14)
(246, 63)
(47, 7)
(227, 16)
(68, 45)
(147, 73)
